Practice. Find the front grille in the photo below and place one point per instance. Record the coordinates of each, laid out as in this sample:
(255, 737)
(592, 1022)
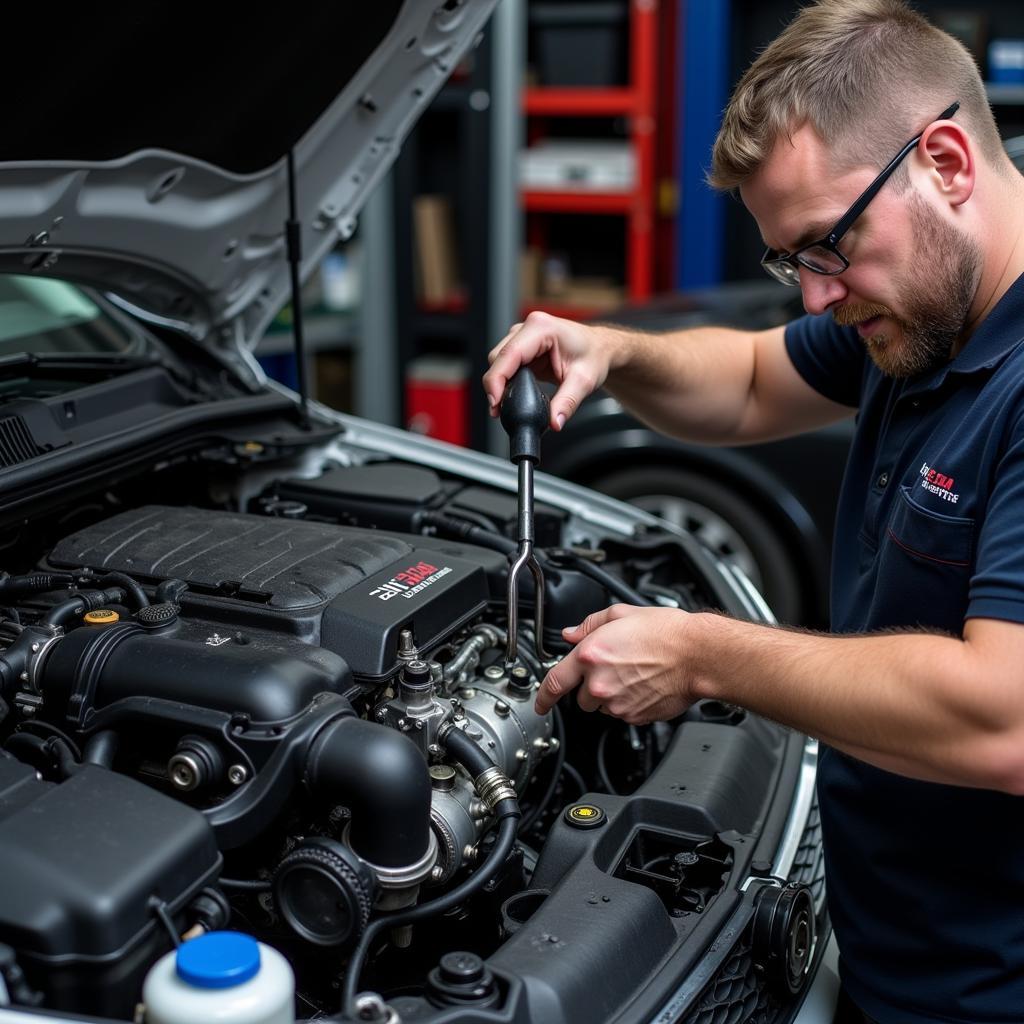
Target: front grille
(738, 994)
(16, 442)
(809, 863)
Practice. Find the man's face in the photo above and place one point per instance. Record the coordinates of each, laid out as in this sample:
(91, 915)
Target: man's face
(912, 276)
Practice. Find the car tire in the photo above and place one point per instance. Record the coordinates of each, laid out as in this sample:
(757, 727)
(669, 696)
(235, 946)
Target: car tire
(723, 520)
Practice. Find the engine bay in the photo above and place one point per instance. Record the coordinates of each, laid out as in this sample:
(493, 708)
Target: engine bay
(238, 692)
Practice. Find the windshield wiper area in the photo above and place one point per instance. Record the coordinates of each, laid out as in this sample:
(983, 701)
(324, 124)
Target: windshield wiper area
(80, 366)
(28, 375)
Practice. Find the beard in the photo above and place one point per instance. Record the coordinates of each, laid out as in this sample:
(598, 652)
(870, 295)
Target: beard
(937, 300)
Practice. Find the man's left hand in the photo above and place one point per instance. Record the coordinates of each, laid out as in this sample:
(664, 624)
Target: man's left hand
(628, 662)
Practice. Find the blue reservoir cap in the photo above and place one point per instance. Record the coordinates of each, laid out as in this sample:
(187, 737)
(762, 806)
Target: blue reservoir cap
(218, 960)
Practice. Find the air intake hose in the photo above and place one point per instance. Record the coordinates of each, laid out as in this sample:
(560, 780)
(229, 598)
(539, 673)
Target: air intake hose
(382, 777)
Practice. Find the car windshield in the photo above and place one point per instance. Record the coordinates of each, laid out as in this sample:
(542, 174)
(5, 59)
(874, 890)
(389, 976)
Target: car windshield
(41, 315)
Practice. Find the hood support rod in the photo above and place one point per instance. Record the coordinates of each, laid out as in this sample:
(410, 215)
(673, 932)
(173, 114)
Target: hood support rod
(293, 236)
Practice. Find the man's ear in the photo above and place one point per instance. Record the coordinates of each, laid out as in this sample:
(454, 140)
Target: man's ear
(947, 153)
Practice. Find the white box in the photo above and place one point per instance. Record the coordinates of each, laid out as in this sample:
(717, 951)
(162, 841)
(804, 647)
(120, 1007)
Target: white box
(594, 165)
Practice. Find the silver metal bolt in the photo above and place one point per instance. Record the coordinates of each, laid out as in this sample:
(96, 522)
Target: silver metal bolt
(35, 648)
(522, 755)
(370, 1007)
(468, 693)
(237, 774)
(494, 672)
(501, 708)
(406, 646)
(469, 853)
(184, 772)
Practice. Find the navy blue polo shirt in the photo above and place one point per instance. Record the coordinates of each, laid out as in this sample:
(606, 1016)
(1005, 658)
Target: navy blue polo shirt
(926, 881)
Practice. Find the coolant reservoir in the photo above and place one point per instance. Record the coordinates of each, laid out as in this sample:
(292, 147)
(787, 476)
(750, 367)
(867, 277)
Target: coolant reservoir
(225, 977)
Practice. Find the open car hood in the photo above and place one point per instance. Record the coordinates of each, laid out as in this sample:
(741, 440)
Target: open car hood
(149, 155)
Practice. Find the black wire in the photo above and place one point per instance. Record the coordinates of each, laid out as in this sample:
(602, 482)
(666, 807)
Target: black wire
(31, 747)
(397, 918)
(567, 769)
(160, 909)
(128, 584)
(38, 725)
(619, 588)
(602, 768)
(474, 517)
(552, 785)
(246, 884)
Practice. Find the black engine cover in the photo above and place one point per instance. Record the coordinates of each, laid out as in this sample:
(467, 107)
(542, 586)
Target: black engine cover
(346, 589)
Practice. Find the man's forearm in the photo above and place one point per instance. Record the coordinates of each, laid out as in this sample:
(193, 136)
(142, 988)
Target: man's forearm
(922, 705)
(693, 384)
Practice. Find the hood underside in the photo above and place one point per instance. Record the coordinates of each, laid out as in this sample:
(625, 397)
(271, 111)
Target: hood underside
(148, 157)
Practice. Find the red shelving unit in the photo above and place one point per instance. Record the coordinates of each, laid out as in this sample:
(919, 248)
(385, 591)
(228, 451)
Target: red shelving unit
(637, 102)
(577, 202)
(561, 102)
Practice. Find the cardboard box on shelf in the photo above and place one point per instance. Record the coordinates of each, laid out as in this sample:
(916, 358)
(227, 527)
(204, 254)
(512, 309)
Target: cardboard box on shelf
(529, 274)
(437, 268)
(597, 293)
(333, 380)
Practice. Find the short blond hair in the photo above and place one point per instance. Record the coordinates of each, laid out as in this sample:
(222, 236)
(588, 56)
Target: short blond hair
(866, 75)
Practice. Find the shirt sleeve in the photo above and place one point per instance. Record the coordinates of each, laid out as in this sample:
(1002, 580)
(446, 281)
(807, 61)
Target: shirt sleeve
(997, 587)
(829, 357)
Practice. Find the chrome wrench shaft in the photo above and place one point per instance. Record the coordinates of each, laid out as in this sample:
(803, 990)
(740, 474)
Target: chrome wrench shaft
(525, 557)
(524, 414)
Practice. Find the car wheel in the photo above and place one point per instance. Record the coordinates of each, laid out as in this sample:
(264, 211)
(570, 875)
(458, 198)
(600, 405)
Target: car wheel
(723, 521)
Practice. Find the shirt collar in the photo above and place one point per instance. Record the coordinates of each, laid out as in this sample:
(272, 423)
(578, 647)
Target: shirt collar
(995, 338)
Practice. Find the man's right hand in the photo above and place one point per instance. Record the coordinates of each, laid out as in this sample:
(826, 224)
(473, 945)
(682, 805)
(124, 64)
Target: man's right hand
(574, 356)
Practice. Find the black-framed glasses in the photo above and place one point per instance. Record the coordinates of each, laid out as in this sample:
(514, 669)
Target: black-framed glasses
(823, 256)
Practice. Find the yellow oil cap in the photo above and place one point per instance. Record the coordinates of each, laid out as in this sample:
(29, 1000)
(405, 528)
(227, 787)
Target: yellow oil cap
(101, 617)
(584, 816)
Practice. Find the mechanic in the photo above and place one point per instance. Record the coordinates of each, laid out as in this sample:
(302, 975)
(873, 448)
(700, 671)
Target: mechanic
(862, 143)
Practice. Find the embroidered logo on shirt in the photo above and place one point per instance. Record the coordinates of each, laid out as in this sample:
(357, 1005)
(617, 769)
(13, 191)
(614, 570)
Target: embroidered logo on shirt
(938, 483)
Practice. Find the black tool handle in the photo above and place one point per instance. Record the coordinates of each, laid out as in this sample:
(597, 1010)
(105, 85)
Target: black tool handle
(524, 415)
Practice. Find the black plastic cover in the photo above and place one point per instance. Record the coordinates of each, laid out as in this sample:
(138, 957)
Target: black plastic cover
(431, 592)
(95, 668)
(81, 861)
(281, 564)
(18, 785)
(501, 508)
(347, 589)
(387, 495)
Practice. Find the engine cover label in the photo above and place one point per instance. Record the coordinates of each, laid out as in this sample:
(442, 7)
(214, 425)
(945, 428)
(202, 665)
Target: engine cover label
(410, 581)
